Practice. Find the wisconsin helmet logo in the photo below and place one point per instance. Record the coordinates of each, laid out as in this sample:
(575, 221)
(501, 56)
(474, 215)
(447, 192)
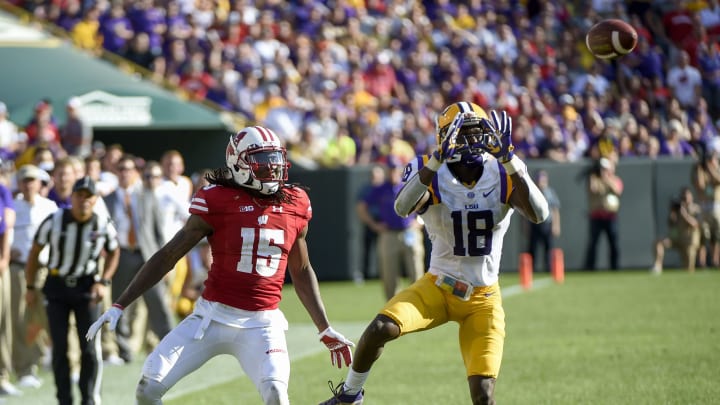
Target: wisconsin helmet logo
(239, 136)
(262, 220)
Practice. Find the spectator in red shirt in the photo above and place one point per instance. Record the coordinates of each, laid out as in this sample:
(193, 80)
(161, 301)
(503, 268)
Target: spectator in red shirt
(380, 78)
(42, 126)
(197, 81)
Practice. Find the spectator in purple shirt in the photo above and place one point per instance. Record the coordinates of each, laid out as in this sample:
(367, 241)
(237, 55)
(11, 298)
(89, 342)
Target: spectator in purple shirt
(676, 141)
(176, 22)
(709, 65)
(116, 29)
(148, 18)
(648, 60)
(7, 221)
(70, 15)
(400, 240)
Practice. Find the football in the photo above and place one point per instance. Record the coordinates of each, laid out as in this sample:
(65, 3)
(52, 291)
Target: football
(611, 38)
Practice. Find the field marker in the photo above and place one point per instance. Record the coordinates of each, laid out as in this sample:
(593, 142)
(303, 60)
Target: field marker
(557, 265)
(525, 268)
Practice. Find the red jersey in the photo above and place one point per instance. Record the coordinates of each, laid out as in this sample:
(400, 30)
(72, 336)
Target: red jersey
(250, 244)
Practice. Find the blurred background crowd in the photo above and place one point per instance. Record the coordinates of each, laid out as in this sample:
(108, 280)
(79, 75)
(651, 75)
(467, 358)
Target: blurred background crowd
(353, 81)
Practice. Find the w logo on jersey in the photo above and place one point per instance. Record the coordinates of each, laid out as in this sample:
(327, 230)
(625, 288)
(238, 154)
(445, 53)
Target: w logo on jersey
(262, 220)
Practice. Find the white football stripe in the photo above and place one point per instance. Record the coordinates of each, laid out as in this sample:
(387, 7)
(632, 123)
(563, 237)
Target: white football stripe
(199, 207)
(587, 42)
(607, 56)
(617, 45)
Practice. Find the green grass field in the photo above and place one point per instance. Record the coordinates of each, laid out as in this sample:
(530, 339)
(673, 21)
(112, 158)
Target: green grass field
(600, 338)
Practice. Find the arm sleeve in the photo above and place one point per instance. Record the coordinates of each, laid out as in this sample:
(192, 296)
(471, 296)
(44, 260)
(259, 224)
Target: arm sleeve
(411, 192)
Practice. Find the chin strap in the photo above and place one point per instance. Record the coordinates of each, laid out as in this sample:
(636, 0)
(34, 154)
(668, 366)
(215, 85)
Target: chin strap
(269, 188)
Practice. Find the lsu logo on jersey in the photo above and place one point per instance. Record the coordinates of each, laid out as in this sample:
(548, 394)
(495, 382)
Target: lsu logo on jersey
(262, 220)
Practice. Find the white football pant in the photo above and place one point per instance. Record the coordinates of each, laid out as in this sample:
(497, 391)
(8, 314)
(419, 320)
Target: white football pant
(261, 352)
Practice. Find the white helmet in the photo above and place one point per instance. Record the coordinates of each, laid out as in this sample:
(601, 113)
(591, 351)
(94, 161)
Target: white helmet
(257, 159)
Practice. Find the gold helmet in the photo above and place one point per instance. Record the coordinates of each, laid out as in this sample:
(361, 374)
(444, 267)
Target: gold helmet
(471, 135)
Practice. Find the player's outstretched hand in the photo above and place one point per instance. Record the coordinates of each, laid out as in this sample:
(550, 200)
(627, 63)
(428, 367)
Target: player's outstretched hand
(111, 316)
(500, 143)
(338, 345)
(448, 144)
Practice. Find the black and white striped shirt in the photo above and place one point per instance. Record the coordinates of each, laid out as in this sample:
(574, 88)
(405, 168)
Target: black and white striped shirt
(75, 247)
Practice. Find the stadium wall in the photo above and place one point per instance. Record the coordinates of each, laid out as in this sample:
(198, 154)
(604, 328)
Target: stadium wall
(335, 232)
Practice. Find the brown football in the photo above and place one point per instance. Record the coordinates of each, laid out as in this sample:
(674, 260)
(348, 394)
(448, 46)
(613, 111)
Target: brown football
(611, 38)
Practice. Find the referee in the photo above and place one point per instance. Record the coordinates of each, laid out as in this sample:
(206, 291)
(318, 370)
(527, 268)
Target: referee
(77, 238)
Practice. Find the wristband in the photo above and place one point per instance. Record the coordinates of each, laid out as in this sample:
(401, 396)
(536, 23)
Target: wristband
(118, 306)
(104, 281)
(30, 287)
(433, 164)
(514, 165)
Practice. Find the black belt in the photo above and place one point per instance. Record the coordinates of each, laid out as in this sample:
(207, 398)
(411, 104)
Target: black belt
(131, 250)
(70, 281)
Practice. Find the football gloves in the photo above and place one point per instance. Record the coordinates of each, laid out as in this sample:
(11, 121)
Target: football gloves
(338, 345)
(111, 316)
(499, 142)
(447, 147)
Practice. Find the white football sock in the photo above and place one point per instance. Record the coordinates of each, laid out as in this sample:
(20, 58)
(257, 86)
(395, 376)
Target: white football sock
(355, 381)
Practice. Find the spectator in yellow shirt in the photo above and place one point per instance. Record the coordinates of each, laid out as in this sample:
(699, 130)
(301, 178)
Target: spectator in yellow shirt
(86, 34)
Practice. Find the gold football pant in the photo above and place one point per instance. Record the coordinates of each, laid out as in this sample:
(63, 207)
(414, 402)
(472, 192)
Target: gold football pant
(423, 305)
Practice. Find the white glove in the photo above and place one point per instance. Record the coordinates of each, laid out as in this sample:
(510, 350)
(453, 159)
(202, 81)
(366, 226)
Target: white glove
(111, 316)
(338, 345)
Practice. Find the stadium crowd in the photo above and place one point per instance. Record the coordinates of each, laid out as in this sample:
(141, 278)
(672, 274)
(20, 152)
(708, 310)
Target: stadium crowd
(352, 81)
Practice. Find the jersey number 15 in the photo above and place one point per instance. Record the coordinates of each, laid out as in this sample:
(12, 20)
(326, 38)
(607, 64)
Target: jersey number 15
(265, 258)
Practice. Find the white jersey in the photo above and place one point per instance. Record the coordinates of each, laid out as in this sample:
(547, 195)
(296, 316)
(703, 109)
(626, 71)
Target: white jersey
(466, 224)
(27, 220)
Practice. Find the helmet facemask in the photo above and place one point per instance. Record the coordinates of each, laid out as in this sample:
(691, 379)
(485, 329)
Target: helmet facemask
(470, 142)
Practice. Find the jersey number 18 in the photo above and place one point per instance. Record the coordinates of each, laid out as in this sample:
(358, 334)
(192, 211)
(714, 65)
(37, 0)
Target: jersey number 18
(477, 229)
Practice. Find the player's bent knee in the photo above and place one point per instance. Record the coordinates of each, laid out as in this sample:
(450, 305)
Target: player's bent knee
(274, 392)
(149, 392)
(384, 328)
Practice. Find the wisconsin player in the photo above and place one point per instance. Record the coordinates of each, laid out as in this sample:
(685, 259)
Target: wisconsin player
(256, 226)
(465, 192)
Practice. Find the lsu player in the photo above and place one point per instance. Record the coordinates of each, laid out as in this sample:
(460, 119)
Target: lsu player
(256, 226)
(465, 192)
